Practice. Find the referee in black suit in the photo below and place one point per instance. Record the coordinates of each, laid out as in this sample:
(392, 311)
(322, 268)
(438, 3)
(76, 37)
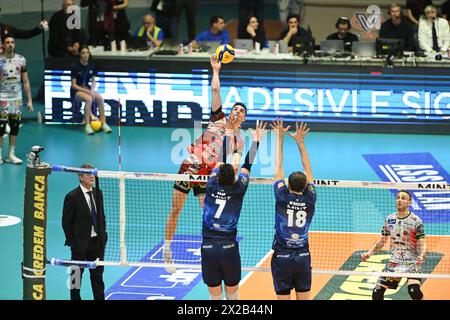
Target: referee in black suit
(83, 222)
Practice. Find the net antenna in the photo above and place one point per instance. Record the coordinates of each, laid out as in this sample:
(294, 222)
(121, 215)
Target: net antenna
(123, 248)
(119, 109)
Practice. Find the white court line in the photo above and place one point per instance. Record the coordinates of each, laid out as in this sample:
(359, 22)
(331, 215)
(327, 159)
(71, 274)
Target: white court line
(257, 265)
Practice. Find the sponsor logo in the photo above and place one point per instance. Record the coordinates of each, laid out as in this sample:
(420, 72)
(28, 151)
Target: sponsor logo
(433, 206)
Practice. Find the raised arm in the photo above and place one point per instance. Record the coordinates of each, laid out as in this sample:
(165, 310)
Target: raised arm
(299, 136)
(216, 101)
(280, 131)
(229, 133)
(257, 136)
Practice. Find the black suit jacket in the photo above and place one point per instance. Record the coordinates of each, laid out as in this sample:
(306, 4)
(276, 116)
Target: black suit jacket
(76, 219)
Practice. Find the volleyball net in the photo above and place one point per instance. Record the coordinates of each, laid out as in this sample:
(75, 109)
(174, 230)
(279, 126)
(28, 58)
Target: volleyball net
(348, 220)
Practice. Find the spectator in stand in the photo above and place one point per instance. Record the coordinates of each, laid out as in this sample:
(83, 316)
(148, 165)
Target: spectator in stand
(445, 10)
(165, 16)
(216, 32)
(190, 7)
(295, 36)
(121, 23)
(248, 9)
(434, 33)
(415, 9)
(153, 34)
(252, 30)
(398, 27)
(100, 21)
(64, 42)
(287, 7)
(343, 26)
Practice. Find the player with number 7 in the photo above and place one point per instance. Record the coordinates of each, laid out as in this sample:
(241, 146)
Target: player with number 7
(221, 261)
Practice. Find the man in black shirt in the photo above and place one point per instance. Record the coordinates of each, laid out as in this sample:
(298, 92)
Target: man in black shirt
(397, 27)
(62, 41)
(415, 9)
(297, 38)
(445, 10)
(343, 26)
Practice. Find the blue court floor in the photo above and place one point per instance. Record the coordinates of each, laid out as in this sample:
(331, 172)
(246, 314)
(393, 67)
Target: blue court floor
(333, 156)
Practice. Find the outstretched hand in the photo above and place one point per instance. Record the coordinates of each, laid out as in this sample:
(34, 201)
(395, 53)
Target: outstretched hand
(365, 256)
(279, 128)
(259, 131)
(215, 64)
(300, 132)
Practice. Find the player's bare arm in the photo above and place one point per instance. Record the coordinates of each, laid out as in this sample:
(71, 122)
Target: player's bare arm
(376, 247)
(216, 101)
(26, 86)
(301, 130)
(280, 131)
(257, 135)
(422, 247)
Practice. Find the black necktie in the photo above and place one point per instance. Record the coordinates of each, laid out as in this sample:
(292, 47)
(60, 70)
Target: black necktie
(435, 40)
(93, 211)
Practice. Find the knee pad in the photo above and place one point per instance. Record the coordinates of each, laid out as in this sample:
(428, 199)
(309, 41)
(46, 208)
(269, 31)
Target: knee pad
(414, 292)
(14, 123)
(378, 293)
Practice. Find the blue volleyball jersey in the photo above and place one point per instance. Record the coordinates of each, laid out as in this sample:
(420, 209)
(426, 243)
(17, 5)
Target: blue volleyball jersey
(222, 207)
(293, 215)
(83, 73)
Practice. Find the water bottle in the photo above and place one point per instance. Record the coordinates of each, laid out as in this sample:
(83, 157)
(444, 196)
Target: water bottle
(276, 48)
(180, 49)
(257, 46)
(113, 46)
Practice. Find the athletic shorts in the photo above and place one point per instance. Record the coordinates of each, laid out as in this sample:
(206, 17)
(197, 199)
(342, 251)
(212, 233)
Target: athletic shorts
(291, 270)
(195, 169)
(11, 106)
(392, 282)
(221, 261)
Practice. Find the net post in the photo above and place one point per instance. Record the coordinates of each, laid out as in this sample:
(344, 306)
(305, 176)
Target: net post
(34, 227)
(123, 248)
